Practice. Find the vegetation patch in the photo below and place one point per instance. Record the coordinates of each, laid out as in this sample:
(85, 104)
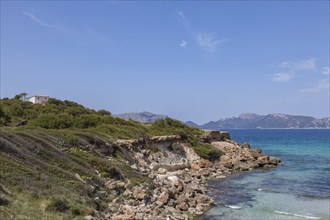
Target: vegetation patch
(63, 148)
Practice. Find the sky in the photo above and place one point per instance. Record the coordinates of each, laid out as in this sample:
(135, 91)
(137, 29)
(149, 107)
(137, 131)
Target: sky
(191, 60)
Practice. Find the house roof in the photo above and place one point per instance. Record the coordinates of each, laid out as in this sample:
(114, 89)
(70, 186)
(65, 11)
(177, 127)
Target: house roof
(38, 96)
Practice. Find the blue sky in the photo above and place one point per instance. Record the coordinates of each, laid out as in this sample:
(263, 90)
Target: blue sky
(196, 61)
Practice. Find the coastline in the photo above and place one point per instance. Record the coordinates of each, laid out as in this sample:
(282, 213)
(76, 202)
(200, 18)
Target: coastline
(180, 178)
(301, 180)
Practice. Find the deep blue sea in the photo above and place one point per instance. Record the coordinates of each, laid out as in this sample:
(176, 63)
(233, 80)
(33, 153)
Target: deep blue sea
(297, 189)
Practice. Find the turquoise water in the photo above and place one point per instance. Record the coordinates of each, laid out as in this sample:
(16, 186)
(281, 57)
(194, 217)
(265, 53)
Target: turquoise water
(298, 189)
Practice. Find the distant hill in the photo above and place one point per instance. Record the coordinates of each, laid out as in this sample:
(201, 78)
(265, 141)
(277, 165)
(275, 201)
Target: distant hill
(192, 124)
(144, 117)
(274, 120)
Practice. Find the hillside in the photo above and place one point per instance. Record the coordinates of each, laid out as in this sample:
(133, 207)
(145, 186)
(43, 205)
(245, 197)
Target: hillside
(143, 117)
(275, 120)
(59, 160)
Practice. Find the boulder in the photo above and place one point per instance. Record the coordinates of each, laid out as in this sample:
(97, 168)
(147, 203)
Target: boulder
(163, 199)
(138, 193)
(173, 179)
(238, 165)
(212, 135)
(225, 135)
(204, 199)
(203, 163)
(246, 146)
(274, 160)
(263, 159)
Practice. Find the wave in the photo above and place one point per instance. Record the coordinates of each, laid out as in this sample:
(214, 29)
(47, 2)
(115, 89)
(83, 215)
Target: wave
(296, 215)
(233, 206)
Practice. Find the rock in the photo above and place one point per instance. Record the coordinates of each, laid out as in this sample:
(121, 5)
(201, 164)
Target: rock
(142, 163)
(163, 199)
(253, 165)
(180, 186)
(138, 193)
(203, 163)
(263, 159)
(205, 172)
(211, 135)
(192, 203)
(77, 176)
(162, 171)
(194, 166)
(134, 166)
(246, 146)
(241, 166)
(173, 179)
(183, 206)
(274, 160)
(189, 153)
(225, 135)
(255, 152)
(223, 163)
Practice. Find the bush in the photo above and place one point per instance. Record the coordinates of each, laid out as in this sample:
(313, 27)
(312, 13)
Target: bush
(53, 121)
(207, 151)
(58, 205)
(87, 121)
(69, 140)
(103, 112)
(3, 201)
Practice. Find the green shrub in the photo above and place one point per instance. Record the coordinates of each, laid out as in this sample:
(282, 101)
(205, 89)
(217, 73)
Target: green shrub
(52, 121)
(87, 121)
(69, 140)
(58, 205)
(103, 112)
(207, 151)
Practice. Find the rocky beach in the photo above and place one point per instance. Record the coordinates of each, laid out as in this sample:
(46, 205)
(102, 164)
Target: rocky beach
(179, 176)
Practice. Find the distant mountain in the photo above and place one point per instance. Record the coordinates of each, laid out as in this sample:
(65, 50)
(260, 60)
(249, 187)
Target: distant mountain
(275, 120)
(192, 124)
(144, 117)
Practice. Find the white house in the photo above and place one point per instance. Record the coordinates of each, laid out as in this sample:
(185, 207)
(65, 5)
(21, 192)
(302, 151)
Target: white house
(38, 99)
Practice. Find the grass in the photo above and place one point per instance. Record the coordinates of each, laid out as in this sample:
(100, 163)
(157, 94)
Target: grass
(39, 166)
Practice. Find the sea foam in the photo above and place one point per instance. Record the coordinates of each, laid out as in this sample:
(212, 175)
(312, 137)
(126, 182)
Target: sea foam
(233, 206)
(297, 215)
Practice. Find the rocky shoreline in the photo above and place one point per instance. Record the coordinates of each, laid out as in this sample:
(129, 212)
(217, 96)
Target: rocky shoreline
(179, 176)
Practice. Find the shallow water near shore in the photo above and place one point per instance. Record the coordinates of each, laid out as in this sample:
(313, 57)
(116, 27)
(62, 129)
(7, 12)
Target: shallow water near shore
(297, 189)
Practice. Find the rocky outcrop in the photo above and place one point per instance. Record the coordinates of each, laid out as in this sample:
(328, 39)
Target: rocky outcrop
(243, 157)
(212, 135)
(177, 195)
(179, 176)
(152, 140)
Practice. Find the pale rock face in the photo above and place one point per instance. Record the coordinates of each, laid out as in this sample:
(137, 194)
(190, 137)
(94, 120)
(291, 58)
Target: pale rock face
(173, 179)
(242, 158)
(179, 178)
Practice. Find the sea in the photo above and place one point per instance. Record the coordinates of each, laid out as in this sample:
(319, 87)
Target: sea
(297, 189)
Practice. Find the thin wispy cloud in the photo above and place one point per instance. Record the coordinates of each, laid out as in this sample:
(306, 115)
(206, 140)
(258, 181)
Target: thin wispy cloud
(321, 85)
(283, 77)
(291, 68)
(180, 13)
(37, 20)
(326, 70)
(43, 23)
(95, 34)
(183, 44)
(304, 65)
(83, 37)
(208, 42)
